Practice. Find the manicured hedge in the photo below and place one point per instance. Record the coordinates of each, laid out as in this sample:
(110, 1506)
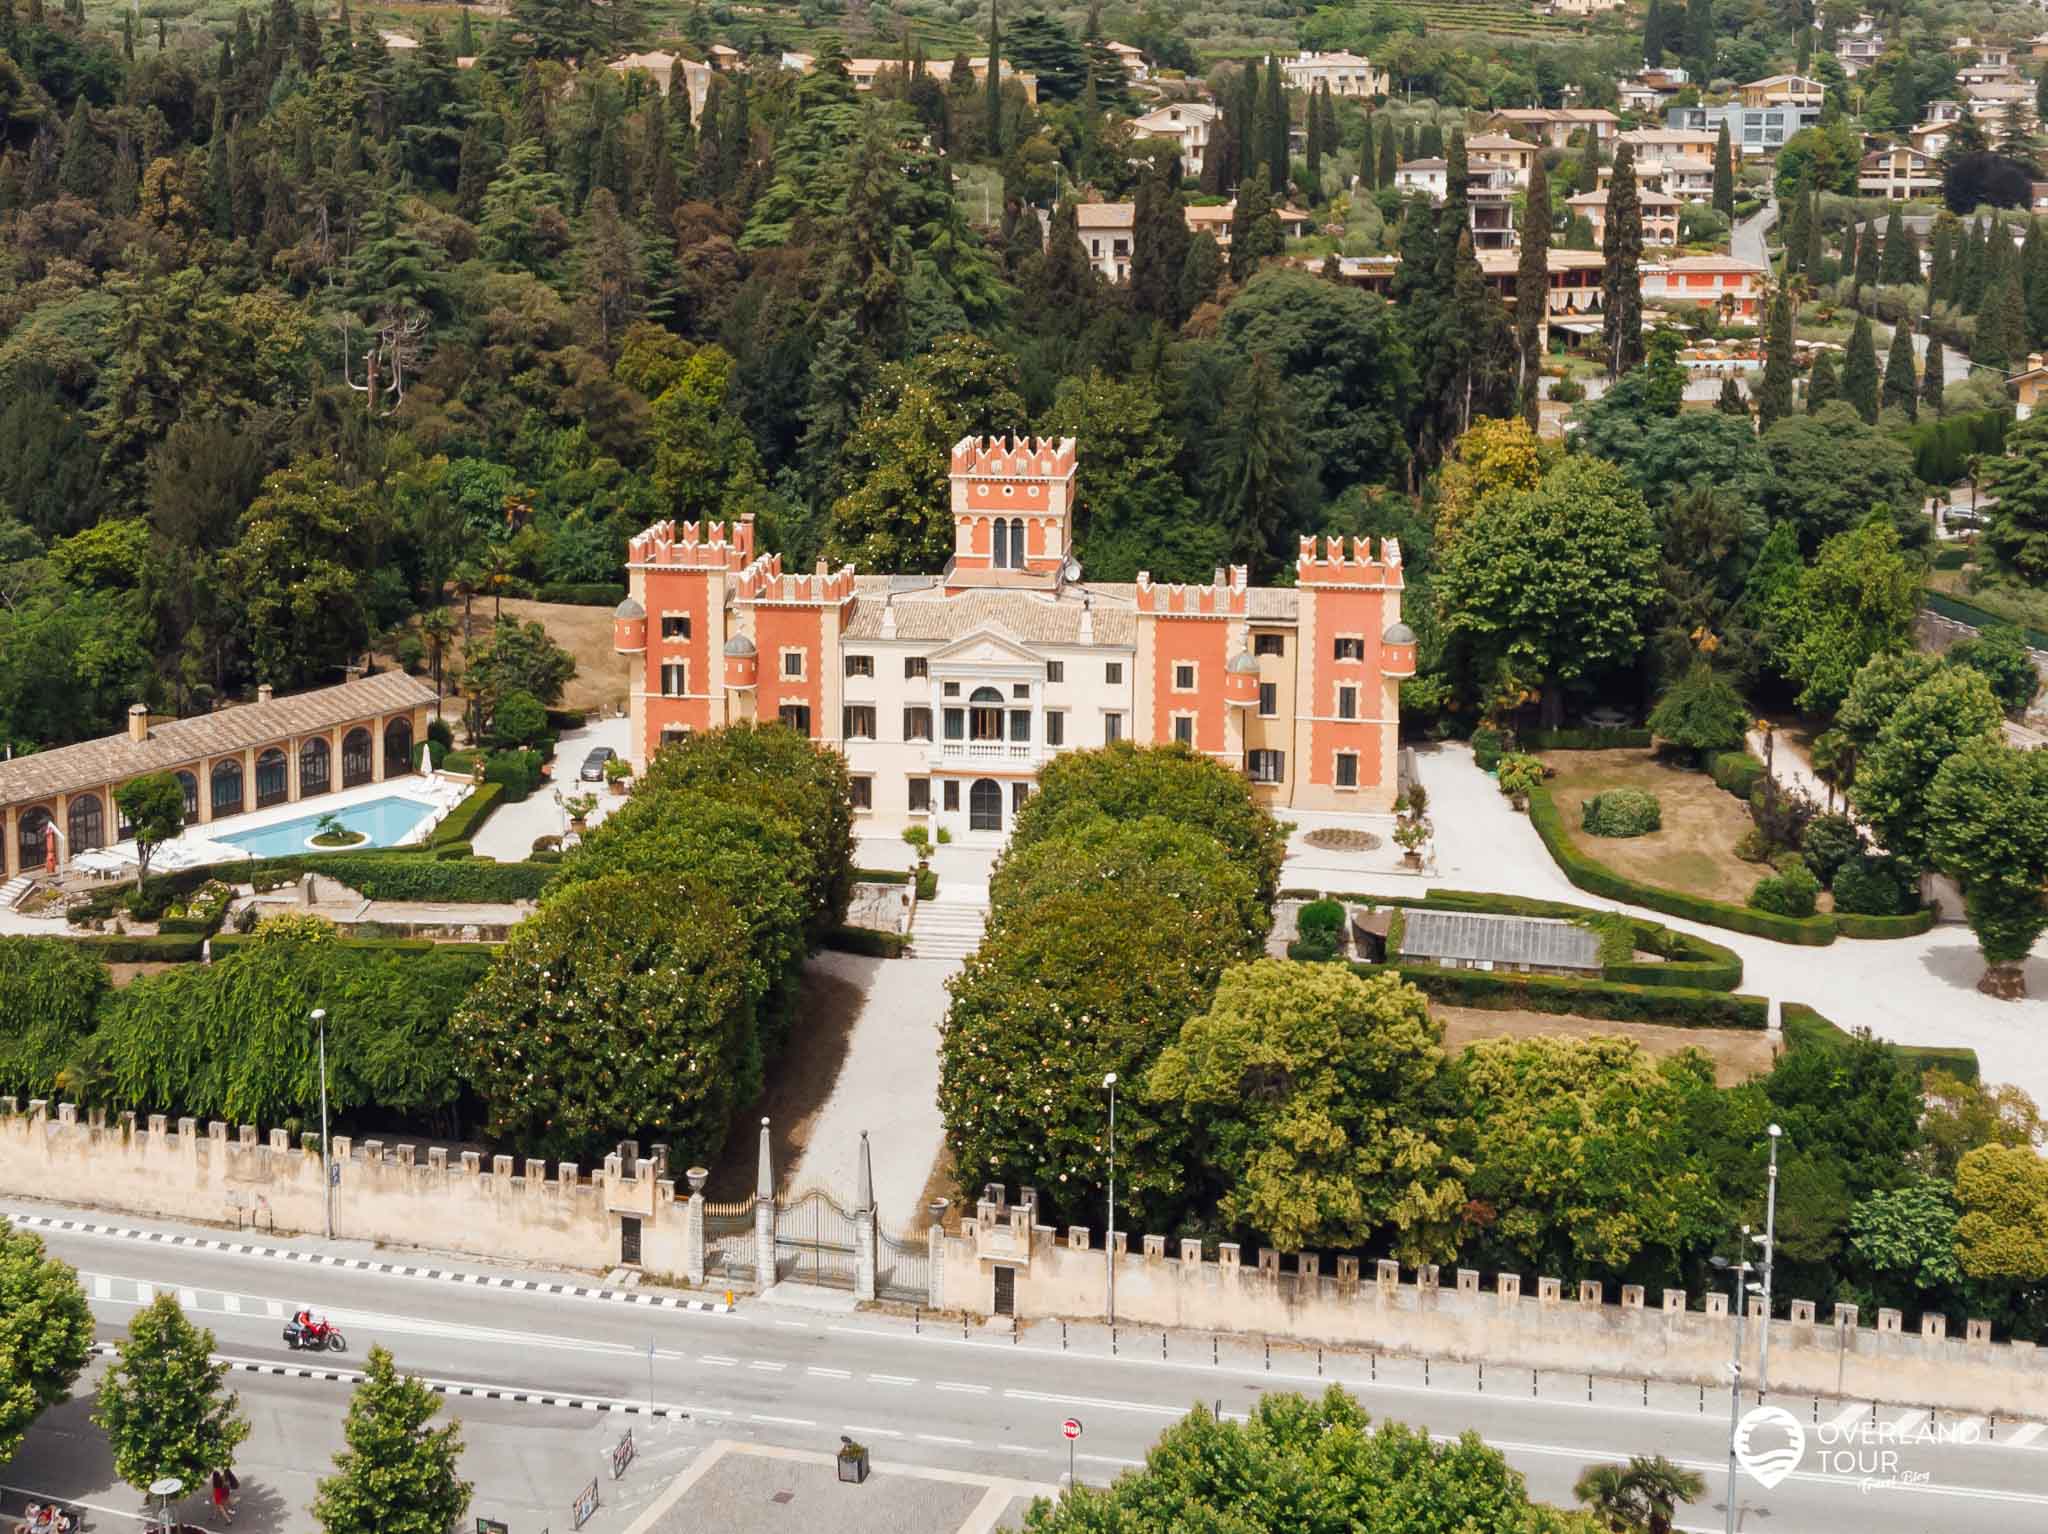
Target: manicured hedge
(467, 818)
(1621, 738)
(581, 594)
(1497, 990)
(1872, 928)
(1738, 772)
(1599, 879)
(881, 876)
(176, 949)
(1689, 960)
(1951, 559)
(867, 942)
(431, 878)
(1805, 1028)
(1976, 617)
(402, 947)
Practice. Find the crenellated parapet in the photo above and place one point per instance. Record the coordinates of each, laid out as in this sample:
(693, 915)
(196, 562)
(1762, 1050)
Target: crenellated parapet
(764, 582)
(693, 546)
(1326, 562)
(1014, 458)
(1225, 596)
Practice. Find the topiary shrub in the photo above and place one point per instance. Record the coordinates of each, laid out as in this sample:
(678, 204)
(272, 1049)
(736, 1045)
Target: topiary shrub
(1623, 812)
(520, 719)
(517, 773)
(1792, 893)
(1319, 927)
(1486, 747)
(1738, 772)
(1868, 886)
(1520, 776)
(1829, 841)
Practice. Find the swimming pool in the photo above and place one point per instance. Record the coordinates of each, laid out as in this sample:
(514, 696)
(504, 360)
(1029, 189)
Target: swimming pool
(384, 822)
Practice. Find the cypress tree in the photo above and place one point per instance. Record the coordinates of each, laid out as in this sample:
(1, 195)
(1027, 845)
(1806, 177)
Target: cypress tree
(1532, 289)
(1620, 278)
(1774, 394)
(1797, 226)
(1408, 143)
(1654, 36)
(1313, 148)
(1387, 159)
(1822, 386)
(1159, 249)
(1811, 261)
(1731, 401)
(472, 173)
(78, 172)
(1901, 388)
(1431, 140)
(1930, 376)
(1246, 121)
(1724, 176)
(1699, 40)
(1369, 160)
(35, 13)
(2012, 320)
(1805, 56)
(1274, 149)
(127, 33)
(1248, 238)
(1968, 281)
(994, 97)
(1859, 371)
(1200, 273)
(1940, 260)
(1456, 215)
(2034, 264)
(1849, 248)
(1901, 262)
(163, 34)
(1868, 254)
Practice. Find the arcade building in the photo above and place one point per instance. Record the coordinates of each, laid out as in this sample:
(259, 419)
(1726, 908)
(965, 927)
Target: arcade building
(947, 692)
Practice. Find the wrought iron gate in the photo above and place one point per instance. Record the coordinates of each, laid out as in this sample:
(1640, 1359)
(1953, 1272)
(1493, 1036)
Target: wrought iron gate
(902, 1268)
(814, 1241)
(729, 1241)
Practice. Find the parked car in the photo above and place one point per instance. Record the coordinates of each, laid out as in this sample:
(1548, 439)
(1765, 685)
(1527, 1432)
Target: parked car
(593, 764)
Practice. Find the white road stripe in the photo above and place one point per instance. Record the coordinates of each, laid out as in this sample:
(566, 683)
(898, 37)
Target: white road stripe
(188, 1299)
(958, 1388)
(102, 1286)
(890, 1379)
(718, 1363)
(2023, 1435)
(869, 1432)
(1969, 1430)
(1847, 1415)
(232, 1303)
(766, 1366)
(960, 1443)
(1097, 1401)
(830, 1374)
(1108, 1459)
(274, 1309)
(1906, 1421)
(1018, 1448)
(782, 1421)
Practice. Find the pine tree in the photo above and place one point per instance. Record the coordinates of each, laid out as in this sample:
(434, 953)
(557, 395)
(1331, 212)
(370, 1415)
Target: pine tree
(1620, 278)
(1859, 371)
(1930, 376)
(398, 1474)
(1901, 388)
(1731, 401)
(1774, 395)
(1822, 385)
(1868, 256)
(1901, 262)
(1532, 289)
(1724, 176)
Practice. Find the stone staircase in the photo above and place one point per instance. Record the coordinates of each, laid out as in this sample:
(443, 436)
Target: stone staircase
(13, 891)
(950, 925)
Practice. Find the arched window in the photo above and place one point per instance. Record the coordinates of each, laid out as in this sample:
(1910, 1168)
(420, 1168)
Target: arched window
(190, 785)
(985, 806)
(316, 767)
(227, 786)
(999, 544)
(88, 824)
(29, 837)
(985, 714)
(356, 766)
(273, 782)
(397, 748)
(1016, 543)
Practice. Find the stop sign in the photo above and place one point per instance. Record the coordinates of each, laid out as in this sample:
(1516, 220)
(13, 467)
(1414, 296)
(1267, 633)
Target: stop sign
(1071, 1428)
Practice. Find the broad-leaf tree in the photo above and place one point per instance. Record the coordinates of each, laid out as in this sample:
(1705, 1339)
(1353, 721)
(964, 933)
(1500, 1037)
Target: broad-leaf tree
(45, 1333)
(1986, 825)
(154, 804)
(1895, 774)
(1854, 602)
(164, 1403)
(398, 1473)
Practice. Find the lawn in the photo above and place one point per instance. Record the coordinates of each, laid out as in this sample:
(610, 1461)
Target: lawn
(603, 676)
(1737, 1053)
(1694, 852)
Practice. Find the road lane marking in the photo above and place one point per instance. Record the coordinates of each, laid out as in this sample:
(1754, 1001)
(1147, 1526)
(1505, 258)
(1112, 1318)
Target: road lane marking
(960, 1388)
(1018, 1448)
(188, 1299)
(1057, 1399)
(2024, 1435)
(232, 1303)
(719, 1363)
(766, 1366)
(782, 1421)
(1109, 1459)
(829, 1374)
(1842, 1419)
(1906, 1421)
(102, 1286)
(890, 1379)
(961, 1443)
(798, 1326)
(869, 1432)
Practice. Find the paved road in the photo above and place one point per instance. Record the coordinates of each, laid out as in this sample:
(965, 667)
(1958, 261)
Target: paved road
(1746, 240)
(927, 1392)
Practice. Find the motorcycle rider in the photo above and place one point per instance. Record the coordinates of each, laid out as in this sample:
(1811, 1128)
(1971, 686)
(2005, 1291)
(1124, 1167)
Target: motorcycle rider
(311, 1327)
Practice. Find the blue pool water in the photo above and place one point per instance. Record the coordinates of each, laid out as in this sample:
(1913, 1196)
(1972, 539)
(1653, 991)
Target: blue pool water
(383, 821)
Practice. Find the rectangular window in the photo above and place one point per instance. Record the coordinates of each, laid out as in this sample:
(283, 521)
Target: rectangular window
(917, 724)
(1269, 700)
(1055, 671)
(1269, 644)
(956, 724)
(1347, 703)
(1021, 691)
(859, 721)
(1347, 769)
(1055, 729)
(1112, 728)
(860, 665)
(1183, 677)
(797, 716)
(920, 795)
(1113, 673)
(915, 670)
(675, 625)
(953, 795)
(1019, 792)
(952, 689)
(675, 735)
(1268, 766)
(1020, 725)
(675, 680)
(863, 792)
(1350, 647)
(793, 663)
(1184, 729)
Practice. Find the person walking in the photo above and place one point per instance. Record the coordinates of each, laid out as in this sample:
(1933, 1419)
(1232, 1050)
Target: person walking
(223, 1508)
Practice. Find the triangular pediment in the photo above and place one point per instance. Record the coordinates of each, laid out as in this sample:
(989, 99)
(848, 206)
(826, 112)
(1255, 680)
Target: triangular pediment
(990, 644)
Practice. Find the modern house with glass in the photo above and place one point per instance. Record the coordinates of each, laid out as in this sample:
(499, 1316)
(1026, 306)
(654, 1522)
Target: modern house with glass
(948, 691)
(57, 804)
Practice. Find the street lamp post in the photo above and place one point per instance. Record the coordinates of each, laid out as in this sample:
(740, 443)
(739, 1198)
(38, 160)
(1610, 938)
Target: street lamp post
(326, 1157)
(1741, 1269)
(1109, 1237)
(1763, 1353)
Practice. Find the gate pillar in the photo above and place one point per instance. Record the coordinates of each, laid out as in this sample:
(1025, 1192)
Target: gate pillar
(864, 1228)
(764, 1217)
(693, 1228)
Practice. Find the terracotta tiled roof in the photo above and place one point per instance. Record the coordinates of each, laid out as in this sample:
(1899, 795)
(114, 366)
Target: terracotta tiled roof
(1105, 215)
(116, 758)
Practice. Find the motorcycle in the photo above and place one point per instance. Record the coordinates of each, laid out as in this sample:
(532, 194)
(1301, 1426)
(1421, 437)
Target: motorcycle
(320, 1337)
(48, 1518)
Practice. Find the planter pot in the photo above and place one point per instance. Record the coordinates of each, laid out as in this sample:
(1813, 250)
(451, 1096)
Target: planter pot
(1411, 860)
(618, 785)
(853, 1465)
(577, 826)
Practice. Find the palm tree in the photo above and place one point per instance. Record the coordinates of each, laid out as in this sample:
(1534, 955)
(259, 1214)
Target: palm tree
(467, 581)
(1640, 1497)
(437, 628)
(500, 568)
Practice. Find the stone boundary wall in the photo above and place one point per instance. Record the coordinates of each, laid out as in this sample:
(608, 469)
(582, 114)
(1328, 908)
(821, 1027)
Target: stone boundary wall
(1455, 1316)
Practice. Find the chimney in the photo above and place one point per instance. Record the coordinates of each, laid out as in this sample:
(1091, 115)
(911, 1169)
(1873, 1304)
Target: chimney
(263, 691)
(138, 722)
